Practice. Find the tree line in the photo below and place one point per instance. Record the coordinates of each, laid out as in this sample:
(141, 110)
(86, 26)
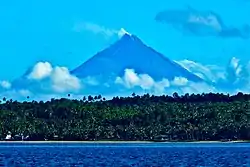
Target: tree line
(190, 117)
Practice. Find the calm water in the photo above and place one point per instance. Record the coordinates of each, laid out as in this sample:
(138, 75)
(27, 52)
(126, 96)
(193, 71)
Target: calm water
(116, 155)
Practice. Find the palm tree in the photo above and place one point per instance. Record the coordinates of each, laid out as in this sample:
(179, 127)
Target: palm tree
(175, 95)
(90, 98)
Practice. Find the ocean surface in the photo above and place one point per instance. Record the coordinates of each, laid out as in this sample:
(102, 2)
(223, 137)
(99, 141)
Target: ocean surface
(125, 155)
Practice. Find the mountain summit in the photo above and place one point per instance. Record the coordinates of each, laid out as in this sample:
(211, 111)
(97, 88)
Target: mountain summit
(131, 53)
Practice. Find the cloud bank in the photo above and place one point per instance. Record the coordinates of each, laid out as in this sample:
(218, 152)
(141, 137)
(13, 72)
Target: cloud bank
(46, 81)
(210, 73)
(58, 78)
(5, 84)
(232, 78)
(131, 79)
(201, 23)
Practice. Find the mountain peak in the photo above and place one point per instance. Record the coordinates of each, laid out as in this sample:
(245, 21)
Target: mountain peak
(123, 32)
(125, 36)
(128, 39)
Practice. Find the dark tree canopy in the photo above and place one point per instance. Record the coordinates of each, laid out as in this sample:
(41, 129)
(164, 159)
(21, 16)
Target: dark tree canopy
(179, 118)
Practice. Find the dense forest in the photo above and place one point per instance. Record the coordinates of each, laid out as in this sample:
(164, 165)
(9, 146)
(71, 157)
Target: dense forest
(189, 117)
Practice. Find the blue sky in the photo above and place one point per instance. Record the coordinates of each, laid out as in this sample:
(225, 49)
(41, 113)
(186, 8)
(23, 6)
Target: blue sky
(32, 31)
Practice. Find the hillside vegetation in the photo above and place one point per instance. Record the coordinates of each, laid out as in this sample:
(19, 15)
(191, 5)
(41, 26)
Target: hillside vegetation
(199, 117)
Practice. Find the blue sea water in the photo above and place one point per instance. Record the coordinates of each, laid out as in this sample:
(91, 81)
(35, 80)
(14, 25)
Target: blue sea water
(125, 155)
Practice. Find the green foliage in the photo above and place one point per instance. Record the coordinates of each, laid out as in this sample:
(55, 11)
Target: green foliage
(179, 118)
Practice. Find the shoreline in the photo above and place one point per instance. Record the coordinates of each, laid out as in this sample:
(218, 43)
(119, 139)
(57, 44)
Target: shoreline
(121, 142)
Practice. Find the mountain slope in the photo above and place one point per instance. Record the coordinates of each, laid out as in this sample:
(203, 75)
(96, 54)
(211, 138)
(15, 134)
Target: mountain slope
(131, 53)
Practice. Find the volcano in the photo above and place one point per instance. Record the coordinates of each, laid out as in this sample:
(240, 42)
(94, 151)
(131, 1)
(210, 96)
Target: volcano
(106, 72)
(131, 53)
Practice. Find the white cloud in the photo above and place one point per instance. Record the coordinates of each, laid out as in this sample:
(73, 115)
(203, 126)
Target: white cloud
(47, 81)
(234, 76)
(40, 71)
(60, 77)
(209, 20)
(95, 28)
(146, 81)
(234, 70)
(132, 79)
(98, 29)
(5, 84)
(201, 23)
(180, 84)
(207, 72)
(159, 87)
(234, 63)
(63, 81)
(179, 81)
